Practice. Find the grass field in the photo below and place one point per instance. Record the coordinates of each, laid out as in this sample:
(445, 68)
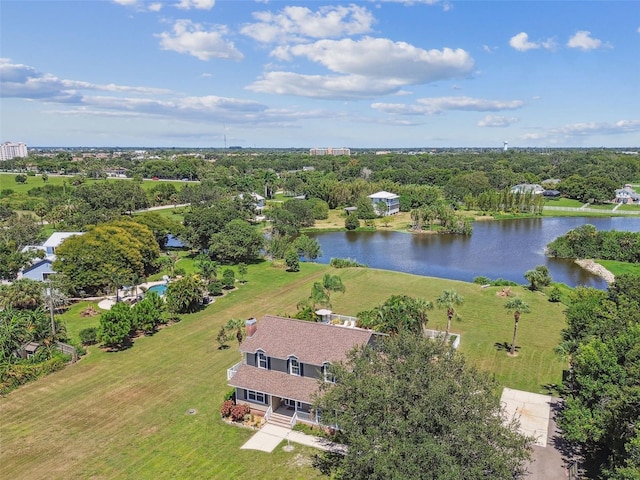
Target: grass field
(7, 181)
(620, 268)
(123, 414)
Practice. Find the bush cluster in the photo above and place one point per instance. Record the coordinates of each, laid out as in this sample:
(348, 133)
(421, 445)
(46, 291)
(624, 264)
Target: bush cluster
(345, 263)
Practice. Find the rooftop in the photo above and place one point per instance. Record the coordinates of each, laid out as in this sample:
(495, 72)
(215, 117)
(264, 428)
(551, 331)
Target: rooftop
(310, 342)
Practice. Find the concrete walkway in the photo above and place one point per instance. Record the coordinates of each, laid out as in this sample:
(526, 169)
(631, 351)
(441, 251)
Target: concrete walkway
(270, 436)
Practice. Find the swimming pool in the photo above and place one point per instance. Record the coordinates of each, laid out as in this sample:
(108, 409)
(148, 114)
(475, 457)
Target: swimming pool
(159, 289)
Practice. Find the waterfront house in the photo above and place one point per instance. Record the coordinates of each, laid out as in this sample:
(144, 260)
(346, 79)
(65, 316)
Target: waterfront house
(627, 195)
(391, 201)
(528, 188)
(284, 362)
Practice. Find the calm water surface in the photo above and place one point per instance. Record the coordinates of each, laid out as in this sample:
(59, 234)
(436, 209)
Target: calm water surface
(503, 248)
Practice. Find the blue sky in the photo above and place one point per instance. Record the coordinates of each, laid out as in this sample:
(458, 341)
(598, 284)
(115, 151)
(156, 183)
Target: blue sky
(385, 73)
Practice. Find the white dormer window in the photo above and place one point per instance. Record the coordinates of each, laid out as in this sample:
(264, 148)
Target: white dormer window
(262, 360)
(327, 376)
(294, 366)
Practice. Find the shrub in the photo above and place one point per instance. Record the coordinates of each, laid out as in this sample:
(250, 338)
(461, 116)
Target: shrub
(555, 294)
(228, 279)
(482, 280)
(292, 261)
(227, 407)
(351, 222)
(215, 287)
(89, 336)
(231, 395)
(345, 263)
(239, 411)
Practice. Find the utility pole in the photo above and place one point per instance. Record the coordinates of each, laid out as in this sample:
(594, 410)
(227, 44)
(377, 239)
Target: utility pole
(53, 322)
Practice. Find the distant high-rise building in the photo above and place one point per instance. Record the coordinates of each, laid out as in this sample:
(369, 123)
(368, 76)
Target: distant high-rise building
(506, 146)
(330, 151)
(9, 150)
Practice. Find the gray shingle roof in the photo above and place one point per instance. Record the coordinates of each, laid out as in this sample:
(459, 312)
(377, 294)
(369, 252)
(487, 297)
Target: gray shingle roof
(276, 383)
(312, 343)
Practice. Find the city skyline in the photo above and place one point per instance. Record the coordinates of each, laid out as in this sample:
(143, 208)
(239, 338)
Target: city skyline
(386, 73)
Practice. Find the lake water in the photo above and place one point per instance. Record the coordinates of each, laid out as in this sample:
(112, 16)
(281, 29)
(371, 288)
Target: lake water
(502, 248)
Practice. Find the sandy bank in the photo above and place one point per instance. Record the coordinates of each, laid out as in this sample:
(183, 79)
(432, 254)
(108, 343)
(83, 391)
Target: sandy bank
(596, 269)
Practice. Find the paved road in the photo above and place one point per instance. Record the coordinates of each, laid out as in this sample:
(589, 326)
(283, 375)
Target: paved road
(551, 462)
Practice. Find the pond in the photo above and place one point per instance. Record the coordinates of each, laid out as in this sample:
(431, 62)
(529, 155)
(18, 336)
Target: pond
(497, 249)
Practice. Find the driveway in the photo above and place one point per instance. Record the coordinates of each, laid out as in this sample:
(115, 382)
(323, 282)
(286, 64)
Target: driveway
(537, 415)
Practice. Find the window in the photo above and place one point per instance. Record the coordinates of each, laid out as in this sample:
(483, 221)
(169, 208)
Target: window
(257, 397)
(294, 366)
(262, 360)
(327, 376)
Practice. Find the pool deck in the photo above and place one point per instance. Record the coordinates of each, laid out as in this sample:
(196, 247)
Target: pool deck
(110, 301)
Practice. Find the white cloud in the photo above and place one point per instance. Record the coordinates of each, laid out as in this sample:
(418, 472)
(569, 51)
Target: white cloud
(140, 5)
(497, 121)
(489, 49)
(198, 4)
(191, 38)
(586, 129)
(446, 5)
(583, 40)
(296, 23)
(522, 43)
(79, 98)
(365, 68)
(23, 81)
(435, 105)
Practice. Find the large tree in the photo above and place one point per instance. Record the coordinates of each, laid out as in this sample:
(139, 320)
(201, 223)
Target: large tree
(237, 242)
(602, 404)
(409, 407)
(93, 261)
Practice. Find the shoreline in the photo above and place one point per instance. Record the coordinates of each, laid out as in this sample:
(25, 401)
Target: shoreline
(591, 266)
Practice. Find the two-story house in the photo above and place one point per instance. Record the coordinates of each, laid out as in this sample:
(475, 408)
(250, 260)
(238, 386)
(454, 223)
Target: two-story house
(385, 203)
(283, 362)
(42, 265)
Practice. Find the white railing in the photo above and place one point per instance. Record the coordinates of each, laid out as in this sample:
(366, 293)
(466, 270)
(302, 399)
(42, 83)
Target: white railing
(592, 210)
(294, 420)
(267, 414)
(232, 371)
(344, 320)
(453, 338)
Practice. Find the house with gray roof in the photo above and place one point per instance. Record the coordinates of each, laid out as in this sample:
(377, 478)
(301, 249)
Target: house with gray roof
(284, 362)
(627, 195)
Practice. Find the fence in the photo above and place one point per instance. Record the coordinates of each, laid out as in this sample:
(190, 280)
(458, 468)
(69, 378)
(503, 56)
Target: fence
(593, 210)
(68, 350)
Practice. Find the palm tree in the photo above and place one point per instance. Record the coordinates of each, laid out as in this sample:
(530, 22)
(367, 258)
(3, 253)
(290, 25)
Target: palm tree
(423, 306)
(518, 307)
(449, 299)
(321, 291)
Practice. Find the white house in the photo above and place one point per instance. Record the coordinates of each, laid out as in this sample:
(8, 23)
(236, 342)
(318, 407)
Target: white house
(390, 200)
(528, 188)
(42, 267)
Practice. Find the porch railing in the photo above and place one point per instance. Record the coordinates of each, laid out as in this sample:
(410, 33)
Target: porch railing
(345, 320)
(232, 371)
(267, 414)
(294, 420)
(453, 338)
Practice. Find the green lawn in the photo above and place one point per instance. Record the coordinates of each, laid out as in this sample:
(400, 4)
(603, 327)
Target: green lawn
(7, 181)
(564, 202)
(123, 414)
(620, 268)
(630, 208)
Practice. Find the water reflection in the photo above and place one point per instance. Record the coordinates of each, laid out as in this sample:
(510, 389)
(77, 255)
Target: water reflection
(505, 249)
